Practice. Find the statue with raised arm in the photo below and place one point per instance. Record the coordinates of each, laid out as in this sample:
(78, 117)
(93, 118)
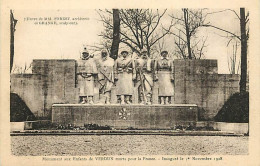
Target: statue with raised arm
(105, 77)
(86, 73)
(124, 77)
(165, 76)
(144, 70)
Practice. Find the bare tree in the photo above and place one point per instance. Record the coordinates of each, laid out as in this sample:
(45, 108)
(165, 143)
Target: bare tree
(116, 37)
(160, 46)
(103, 44)
(15, 69)
(233, 62)
(139, 28)
(13, 22)
(243, 38)
(22, 70)
(187, 44)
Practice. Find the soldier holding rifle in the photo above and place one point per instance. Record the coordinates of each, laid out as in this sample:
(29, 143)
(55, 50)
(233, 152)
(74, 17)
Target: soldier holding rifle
(105, 77)
(165, 76)
(86, 73)
(144, 70)
(124, 77)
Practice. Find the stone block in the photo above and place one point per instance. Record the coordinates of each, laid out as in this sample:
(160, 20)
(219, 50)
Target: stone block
(17, 126)
(124, 116)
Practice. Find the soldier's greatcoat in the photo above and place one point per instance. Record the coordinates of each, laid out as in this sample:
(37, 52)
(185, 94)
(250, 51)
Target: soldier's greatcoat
(105, 74)
(86, 70)
(165, 74)
(146, 66)
(124, 73)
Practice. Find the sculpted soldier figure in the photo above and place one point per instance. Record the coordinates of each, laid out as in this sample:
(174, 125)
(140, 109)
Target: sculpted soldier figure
(144, 69)
(165, 76)
(105, 77)
(86, 71)
(124, 77)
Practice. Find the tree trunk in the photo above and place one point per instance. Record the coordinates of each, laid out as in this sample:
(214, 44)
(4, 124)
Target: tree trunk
(11, 40)
(243, 51)
(186, 21)
(116, 37)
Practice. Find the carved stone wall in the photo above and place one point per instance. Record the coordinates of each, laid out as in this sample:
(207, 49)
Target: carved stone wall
(197, 82)
(54, 81)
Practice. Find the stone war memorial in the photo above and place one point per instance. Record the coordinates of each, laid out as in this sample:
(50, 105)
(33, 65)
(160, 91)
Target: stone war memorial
(128, 84)
(137, 92)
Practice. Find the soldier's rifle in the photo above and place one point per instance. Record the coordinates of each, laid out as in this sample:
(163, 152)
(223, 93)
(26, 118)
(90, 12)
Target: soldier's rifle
(142, 84)
(126, 65)
(103, 73)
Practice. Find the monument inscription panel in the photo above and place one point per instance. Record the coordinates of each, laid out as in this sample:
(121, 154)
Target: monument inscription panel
(125, 116)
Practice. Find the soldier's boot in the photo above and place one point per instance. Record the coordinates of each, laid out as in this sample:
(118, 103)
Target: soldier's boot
(80, 99)
(86, 100)
(107, 98)
(83, 100)
(90, 100)
(167, 101)
(142, 100)
(148, 102)
(102, 99)
(122, 97)
(148, 97)
(162, 100)
(128, 100)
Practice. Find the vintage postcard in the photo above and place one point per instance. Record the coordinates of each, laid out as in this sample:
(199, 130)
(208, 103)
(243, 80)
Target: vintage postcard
(129, 83)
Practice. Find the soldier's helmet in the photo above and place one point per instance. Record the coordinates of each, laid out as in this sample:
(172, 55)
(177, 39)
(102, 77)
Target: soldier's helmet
(85, 50)
(144, 53)
(164, 52)
(103, 50)
(124, 51)
(85, 53)
(104, 53)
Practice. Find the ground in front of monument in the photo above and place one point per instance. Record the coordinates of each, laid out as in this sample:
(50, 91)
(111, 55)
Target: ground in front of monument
(79, 145)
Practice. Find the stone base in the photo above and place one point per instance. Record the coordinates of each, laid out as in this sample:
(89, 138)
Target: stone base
(125, 116)
(21, 126)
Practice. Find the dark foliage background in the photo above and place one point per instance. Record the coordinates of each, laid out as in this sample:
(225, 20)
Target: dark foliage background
(235, 109)
(19, 111)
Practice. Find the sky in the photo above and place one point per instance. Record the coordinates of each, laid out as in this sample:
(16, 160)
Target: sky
(34, 41)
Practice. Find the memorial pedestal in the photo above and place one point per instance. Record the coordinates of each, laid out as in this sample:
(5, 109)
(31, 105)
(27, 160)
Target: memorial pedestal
(125, 116)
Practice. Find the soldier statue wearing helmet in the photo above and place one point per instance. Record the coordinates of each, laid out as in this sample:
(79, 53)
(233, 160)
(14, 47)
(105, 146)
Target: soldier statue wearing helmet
(144, 71)
(105, 76)
(86, 73)
(124, 77)
(165, 76)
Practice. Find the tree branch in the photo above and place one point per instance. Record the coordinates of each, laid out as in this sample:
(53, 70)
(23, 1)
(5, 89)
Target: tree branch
(212, 26)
